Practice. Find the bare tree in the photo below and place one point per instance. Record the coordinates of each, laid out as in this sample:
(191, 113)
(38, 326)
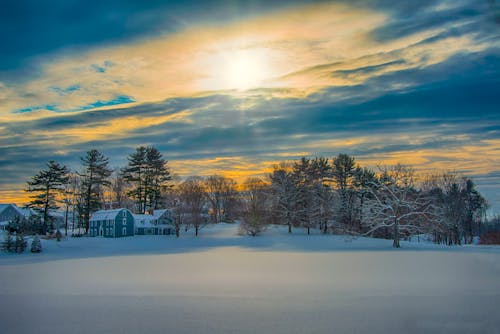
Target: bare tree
(395, 204)
(192, 197)
(220, 192)
(119, 189)
(254, 206)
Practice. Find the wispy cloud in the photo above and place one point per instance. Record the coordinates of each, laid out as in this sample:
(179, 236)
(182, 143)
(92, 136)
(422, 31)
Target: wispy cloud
(408, 81)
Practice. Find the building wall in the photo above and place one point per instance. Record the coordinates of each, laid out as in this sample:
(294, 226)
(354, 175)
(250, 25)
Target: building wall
(147, 231)
(124, 224)
(121, 226)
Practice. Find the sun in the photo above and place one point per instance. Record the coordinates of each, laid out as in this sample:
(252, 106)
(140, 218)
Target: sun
(237, 70)
(245, 70)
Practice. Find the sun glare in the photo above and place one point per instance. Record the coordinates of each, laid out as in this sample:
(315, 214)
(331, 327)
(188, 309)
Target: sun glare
(237, 70)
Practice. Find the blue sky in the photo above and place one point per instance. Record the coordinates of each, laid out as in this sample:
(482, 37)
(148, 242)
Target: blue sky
(235, 86)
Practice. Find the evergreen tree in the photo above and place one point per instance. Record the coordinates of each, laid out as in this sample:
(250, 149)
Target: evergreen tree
(8, 245)
(303, 177)
(46, 186)
(20, 243)
(343, 172)
(157, 176)
(286, 195)
(94, 175)
(475, 207)
(148, 174)
(134, 174)
(36, 245)
(364, 179)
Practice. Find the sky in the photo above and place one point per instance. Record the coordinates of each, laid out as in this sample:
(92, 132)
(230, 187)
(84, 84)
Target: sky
(232, 87)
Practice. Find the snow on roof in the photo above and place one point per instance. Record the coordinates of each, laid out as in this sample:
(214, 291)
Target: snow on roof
(105, 214)
(159, 213)
(3, 206)
(25, 212)
(144, 220)
(55, 213)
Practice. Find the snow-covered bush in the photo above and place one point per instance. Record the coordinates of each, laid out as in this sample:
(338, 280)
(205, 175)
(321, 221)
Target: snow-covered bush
(252, 226)
(20, 244)
(14, 245)
(36, 245)
(8, 245)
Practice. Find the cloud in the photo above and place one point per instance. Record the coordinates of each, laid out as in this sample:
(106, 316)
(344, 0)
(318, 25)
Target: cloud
(355, 77)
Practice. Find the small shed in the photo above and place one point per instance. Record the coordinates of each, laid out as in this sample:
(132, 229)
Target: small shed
(112, 224)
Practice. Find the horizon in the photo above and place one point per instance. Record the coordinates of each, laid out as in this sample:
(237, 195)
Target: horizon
(233, 87)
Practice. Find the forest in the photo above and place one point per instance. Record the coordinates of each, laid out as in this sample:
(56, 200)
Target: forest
(333, 195)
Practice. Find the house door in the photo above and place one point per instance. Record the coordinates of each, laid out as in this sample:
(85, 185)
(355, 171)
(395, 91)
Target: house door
(100, 231)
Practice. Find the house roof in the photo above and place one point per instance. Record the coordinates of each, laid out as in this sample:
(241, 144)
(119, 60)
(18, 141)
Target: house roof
(106, 214)
(3, 207)
(159, 213)
(25, 212)
(58, 214)
(144, 220)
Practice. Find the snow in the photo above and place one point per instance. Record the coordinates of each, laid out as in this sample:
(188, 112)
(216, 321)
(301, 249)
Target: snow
(144, 220)
(221, 282)
(105, 214)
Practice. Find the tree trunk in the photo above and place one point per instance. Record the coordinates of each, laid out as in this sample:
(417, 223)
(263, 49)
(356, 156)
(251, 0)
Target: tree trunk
(46, 210)
(289, 228)
(66, 221)
(395, 244)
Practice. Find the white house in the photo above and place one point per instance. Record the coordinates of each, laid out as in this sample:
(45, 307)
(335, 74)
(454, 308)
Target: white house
(9, 212)
(158, 223)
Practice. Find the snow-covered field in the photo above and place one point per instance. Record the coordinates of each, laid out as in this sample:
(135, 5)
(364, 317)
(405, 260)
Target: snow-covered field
(225, 283)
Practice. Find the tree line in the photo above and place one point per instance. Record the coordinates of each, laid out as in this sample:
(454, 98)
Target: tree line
(332, 195)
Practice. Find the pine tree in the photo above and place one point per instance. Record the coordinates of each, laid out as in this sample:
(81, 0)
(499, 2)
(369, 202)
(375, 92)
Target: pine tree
(148, 173)
(36, 245)
(134, 174)
(157, 176)
(286, 195)
(20, 243)
(343, 172)
(95, 175)
(8, 245)
(46, 186)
